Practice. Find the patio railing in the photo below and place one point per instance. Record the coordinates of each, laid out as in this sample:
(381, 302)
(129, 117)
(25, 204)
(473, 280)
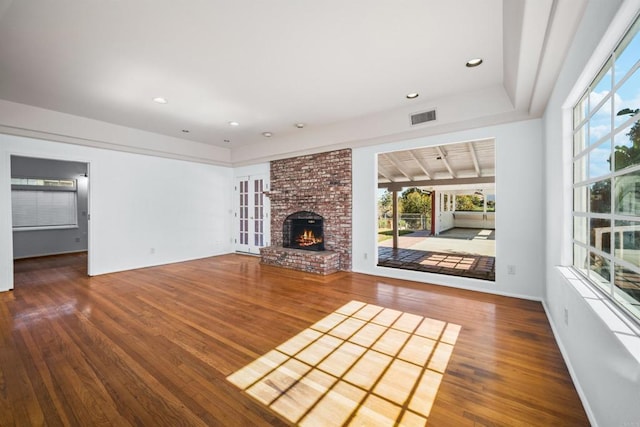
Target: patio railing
(407, 221)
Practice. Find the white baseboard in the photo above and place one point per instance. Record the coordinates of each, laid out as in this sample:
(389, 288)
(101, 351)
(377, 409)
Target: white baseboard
(572, 373)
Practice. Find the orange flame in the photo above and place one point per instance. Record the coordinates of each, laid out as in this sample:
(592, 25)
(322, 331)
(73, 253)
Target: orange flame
(307, 238)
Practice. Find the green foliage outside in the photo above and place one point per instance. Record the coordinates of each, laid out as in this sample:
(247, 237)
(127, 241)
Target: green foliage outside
(385, 205)
(414, 200)
(414, 207)
(413, 203)
(624, 156)
(469, 203)
(629, 156)
(600, 197)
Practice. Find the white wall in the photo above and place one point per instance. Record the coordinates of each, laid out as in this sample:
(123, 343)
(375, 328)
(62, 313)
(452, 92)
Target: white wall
(519, 234)
(180, 209)
(466, 219)
(606, 374)
(445, 221)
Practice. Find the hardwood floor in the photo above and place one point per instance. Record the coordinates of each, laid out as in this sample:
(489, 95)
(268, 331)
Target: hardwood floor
(153, 347)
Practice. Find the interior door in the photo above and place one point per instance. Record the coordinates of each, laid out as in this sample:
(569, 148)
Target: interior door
(252, 214)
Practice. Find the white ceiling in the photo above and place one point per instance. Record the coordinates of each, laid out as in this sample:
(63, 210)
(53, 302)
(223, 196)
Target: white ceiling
(341, 67)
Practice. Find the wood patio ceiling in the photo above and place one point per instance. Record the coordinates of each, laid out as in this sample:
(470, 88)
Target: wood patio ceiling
(462, 163)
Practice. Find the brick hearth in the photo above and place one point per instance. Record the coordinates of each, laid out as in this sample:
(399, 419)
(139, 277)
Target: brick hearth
(319, 183)
(321, 262)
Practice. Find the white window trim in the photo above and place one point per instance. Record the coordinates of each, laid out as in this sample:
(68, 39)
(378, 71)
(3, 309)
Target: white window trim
(620, 323)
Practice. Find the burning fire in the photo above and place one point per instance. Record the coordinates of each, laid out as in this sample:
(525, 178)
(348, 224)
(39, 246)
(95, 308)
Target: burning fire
(307, 238)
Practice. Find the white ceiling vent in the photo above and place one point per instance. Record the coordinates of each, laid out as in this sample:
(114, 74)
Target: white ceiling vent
(419, 118)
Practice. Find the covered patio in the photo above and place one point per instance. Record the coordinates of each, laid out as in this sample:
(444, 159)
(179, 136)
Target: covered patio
(451, 241)
(443, 254)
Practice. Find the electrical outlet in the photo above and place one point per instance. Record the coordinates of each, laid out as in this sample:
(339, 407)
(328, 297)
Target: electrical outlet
(365, 255)
(566, 316)
(511, 269)
(152, 251)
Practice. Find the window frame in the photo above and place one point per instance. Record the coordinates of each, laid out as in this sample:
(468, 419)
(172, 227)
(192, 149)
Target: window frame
(582, 181)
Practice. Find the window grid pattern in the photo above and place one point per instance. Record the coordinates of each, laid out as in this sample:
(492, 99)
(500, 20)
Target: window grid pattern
(258, 215)
(244, 213)
(606, 177)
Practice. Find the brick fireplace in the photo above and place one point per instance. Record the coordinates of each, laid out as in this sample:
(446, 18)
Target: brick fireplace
(318, 186)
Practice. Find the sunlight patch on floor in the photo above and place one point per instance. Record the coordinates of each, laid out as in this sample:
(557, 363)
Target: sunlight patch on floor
(361, 365)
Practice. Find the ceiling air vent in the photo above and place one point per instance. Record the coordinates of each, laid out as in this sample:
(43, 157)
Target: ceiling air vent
(427, 116)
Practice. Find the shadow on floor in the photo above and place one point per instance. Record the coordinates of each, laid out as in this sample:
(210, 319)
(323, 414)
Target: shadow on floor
(473, 266)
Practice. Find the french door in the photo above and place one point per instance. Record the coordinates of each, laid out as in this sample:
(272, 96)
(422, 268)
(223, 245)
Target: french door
(252, 214)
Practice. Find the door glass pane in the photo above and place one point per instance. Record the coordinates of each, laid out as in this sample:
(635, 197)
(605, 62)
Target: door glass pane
(251, 214)
(258, 234)
(243, 210)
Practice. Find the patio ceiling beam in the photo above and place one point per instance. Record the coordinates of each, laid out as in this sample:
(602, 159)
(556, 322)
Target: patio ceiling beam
(437, 182)
(443, 157)
(395, 162)
(474, 157)
(419, 162)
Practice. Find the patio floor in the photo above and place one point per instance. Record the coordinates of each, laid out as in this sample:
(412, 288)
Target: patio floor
(457, 252)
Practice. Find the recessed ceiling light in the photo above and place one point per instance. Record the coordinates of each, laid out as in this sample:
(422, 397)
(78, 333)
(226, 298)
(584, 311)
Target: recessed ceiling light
(267, 134)
(299, 125)
(234, 123)
(412, 95)
(474, 62)
(160, 100)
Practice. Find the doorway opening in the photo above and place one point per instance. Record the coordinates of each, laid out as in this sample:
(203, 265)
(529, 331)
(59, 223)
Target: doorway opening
(49, 211)
(436, 209)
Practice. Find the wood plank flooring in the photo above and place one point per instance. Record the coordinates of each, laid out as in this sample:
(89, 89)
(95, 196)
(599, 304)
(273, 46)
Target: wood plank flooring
(153, 347)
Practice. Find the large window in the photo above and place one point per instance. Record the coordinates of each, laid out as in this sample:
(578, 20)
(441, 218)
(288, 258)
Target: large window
(606, 177)
(43, 203)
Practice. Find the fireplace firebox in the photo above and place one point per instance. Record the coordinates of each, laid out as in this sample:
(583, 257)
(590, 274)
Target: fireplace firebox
(303, 230)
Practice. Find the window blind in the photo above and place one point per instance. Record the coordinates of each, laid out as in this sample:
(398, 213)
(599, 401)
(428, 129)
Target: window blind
(43, 208)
